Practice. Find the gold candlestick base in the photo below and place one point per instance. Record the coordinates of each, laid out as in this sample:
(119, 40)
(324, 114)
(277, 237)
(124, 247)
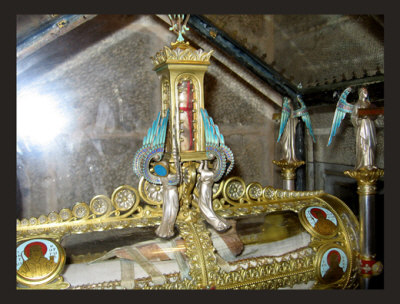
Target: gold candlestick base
(366, 179)
(288, 168)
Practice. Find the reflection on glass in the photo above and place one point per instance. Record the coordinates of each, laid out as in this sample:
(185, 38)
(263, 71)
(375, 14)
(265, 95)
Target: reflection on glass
(186, 99)
(270, 228)
(39, 120)
(87, 247)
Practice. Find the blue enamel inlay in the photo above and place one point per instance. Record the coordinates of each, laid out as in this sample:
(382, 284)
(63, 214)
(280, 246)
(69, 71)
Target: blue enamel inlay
(160, 170)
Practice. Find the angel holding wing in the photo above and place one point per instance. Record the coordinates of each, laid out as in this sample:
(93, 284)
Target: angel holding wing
(364, 127)
(287, 129)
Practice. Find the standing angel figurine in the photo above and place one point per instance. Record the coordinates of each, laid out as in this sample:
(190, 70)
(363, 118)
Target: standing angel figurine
(153, 150)
(287, 129)
(364, 127)
(205, 185)
(170, 195)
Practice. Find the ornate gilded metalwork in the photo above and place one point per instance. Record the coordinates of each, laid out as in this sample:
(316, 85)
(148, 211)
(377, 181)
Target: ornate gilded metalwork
(258, 273)
(251, 199)
(39, 264)
(200, 251)
(99, 205)
(270, 273)
(104, 285)
(288, 168)
(183, 132)
(319, 221)
(182, 136)
(96, 217)
(189, 181)
(150, 193)
(178, 25)
(254, 191)
(366, 182)
(333, 265)
(366, 179)
(182, 54)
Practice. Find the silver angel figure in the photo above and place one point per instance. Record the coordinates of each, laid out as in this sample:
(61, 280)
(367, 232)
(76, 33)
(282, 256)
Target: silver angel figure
(364, 127)
(205, 185)
(170, 183)
(287, 129)
(365, 133)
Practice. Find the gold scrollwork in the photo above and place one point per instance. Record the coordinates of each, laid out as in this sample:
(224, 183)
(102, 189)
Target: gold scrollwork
(232, 198)
(236, 193)
(151, 194)
(81, 210)
(100, 205)
(234, 189)
(56, 284)
(125, 198)
(97, 216)
(254, 191)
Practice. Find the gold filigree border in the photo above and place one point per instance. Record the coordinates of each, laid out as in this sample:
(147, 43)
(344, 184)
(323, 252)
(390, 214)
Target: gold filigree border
(251, 199)
(125, 210)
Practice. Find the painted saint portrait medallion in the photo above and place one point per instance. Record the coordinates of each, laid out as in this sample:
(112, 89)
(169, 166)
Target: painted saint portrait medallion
(39, 261)
(333, 265)
(320, 221)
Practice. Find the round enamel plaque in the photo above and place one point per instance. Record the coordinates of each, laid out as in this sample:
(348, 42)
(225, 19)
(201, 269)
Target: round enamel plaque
(39, 261)
(319, 221)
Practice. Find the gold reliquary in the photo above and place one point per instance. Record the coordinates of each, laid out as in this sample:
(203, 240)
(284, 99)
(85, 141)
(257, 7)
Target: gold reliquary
(181, 69)
(278, 239)
(188, 225)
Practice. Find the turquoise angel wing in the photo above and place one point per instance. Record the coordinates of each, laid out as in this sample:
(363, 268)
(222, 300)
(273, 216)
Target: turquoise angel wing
(342, 107)
(305, 116)
(215, 145)
(285, 114)
(153, 146)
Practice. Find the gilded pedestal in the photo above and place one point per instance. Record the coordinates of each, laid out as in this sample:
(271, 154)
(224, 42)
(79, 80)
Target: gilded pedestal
(288, 172)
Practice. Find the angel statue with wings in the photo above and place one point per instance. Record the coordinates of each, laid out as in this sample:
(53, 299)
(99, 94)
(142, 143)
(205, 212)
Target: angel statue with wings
(287, 129)
(152, 154)
(364, 127)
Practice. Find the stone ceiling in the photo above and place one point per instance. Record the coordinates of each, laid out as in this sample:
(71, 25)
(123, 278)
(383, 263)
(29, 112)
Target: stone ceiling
(314, 50)
(311, 49)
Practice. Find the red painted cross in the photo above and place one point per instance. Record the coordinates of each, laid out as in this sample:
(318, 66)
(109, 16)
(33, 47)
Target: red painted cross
(189, 111)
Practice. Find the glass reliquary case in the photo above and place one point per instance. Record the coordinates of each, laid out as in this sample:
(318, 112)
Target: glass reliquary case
(187, 225)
